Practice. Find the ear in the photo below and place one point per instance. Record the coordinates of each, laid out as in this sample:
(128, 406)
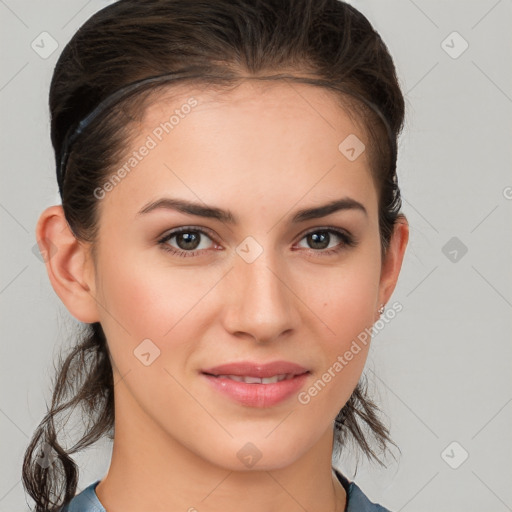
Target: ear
(68, 263)
(392, 261)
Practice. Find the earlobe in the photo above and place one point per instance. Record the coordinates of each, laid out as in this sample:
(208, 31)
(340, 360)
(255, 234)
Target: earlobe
(68, 264)
(393, 260)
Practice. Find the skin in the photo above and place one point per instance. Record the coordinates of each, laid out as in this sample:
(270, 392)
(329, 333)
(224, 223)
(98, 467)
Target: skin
(263, 151)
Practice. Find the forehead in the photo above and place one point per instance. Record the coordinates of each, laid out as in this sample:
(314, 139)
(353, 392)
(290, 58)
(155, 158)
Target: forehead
(286, 96)
(266, 121)
(271, 140)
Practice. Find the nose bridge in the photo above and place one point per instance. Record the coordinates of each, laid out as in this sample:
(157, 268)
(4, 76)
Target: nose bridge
(262, 304)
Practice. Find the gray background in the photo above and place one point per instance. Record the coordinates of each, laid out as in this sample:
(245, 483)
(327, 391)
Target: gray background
(441, 369)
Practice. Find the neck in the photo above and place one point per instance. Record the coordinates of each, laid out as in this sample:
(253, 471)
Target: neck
(150, 470)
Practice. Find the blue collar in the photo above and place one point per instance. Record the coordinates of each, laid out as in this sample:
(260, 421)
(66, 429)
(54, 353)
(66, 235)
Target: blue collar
(87, 500)
(357, 501)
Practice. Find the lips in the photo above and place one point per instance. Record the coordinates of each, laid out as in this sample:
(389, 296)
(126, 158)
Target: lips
(257, 370)
(257, 385)
(258, 380)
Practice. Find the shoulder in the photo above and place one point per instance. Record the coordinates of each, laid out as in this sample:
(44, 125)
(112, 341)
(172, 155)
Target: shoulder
(85, 501)
(357, 501)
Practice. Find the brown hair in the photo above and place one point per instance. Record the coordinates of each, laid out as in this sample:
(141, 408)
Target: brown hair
(225, 42)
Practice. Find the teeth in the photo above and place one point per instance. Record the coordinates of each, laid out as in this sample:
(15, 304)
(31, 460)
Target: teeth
(253, 380)
(258, 380)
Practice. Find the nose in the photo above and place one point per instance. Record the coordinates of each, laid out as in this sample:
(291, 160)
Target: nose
(261, 304)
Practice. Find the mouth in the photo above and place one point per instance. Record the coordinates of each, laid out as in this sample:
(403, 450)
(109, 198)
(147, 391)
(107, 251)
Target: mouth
(256, 380)
(257, 384)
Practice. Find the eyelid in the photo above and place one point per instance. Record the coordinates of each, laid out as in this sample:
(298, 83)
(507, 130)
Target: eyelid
(175, 231)
(212, 235)
(348, 239)
(327, 228)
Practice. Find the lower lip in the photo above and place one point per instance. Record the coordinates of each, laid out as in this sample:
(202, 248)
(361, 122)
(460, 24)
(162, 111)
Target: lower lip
(258, 395)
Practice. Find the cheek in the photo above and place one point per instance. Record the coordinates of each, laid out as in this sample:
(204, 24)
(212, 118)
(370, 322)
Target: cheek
(345, 297)
(147, 297)
(145, 300)
(346, 308)
(344, 353)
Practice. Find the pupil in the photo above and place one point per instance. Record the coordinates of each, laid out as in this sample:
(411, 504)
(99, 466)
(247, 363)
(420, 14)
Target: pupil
(315, 237)
(188, 239)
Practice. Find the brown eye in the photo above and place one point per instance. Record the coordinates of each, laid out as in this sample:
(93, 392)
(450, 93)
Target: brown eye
(188, 241)
(320, 241)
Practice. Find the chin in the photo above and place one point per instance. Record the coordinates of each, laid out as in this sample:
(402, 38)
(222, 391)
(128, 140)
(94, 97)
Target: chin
(258, 453)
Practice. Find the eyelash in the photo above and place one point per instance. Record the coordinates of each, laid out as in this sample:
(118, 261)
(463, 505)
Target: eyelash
(347, 241)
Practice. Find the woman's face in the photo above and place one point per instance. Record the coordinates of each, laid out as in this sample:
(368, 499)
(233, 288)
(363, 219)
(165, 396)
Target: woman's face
(265, 285)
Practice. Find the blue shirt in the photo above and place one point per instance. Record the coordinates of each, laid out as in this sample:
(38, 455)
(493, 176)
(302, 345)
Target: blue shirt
(357, 501)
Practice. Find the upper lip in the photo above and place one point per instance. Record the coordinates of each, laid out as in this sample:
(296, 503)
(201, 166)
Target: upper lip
(261, 370)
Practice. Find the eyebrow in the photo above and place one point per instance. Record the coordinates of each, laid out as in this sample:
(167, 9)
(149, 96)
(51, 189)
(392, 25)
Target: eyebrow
(227, 216)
